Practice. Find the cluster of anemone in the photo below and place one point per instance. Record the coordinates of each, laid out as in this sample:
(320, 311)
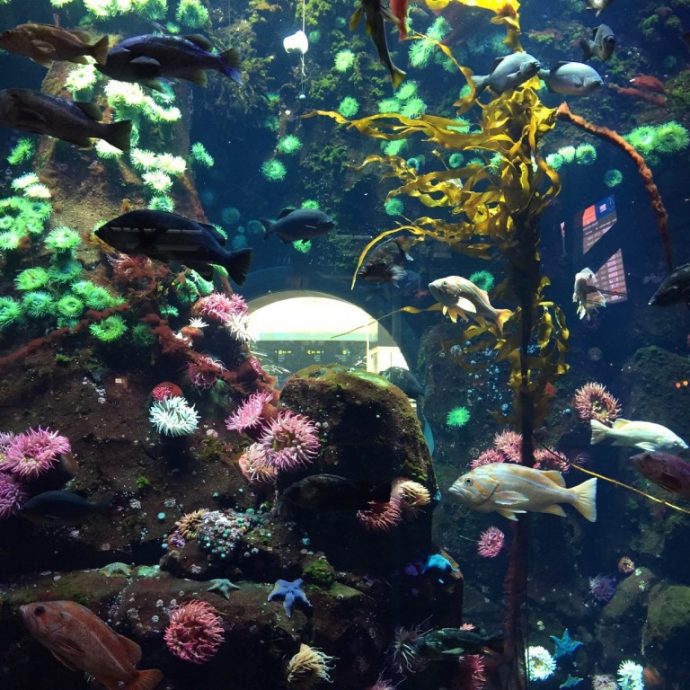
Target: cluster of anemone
(108, 9)
(669, 137)
(194, 632)
(94, 296)
(81, 80)
(220, 308)
(62, 239)
(34, 452)
(507, 447)
(220, 531)
(12, 495)
(250, 414)
(174, 417)
(129, 101)
(308, 667)
(192, 13)
(290, 441)
(594, 401)
(203, 373)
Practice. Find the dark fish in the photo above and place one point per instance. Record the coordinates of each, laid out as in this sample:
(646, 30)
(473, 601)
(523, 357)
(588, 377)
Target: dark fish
(665, 470)
(75, 122)
(331, 492)
(298, 224)
(405, 380)
(508, 73)
(44, 43)
(445, 642)
(674, 288)
(572, 79)
(61, 506)
(601, 45)
(150, 57)
(385, 264)
(374, 14)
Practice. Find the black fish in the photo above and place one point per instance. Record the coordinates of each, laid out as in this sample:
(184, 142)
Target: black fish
(385, 264)
(298, 224)
(61, 506)
(445, 642)
(149, 57)
(72, 121)
(171, 237)
(405, 380)
(674, 288)
(601, 45)
(331, 492)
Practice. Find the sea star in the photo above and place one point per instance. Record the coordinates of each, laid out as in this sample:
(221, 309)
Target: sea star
(440, 564)
(564, 645)
(116, 569)
(571, 682)
(291, 592)
(223, 586)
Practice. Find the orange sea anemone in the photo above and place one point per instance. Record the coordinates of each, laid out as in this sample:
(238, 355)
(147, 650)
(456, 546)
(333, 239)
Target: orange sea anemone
(593, 401)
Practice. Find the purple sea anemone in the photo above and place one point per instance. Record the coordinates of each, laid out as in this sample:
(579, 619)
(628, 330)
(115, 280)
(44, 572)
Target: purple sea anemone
(32, 453)
(602, 587)
(290, 440)
(250, 413)
(11, 495)
(220, 308)
(195, 632)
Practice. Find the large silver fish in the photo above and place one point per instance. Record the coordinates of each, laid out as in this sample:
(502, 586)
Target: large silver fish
(633, 434)
(508, 73)
(572, 79)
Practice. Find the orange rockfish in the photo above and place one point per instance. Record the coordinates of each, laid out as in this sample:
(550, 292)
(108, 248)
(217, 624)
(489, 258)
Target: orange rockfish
(80, 640)
(399, 11)
(461, 297)
(509, 489)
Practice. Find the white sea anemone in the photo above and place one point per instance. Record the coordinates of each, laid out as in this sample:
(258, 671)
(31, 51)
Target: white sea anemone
(174, 417)
(630, 676)
(540, 663)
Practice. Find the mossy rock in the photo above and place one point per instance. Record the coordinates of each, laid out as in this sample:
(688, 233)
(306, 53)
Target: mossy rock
(668, 616)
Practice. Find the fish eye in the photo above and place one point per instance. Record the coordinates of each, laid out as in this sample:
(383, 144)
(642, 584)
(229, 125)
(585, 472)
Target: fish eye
(468, 482)
(39, 611)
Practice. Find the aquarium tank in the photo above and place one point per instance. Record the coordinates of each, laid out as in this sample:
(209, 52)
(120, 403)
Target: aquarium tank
(344, 344)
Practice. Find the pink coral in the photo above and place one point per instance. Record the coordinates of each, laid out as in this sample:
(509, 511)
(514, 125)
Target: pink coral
(250, 413)
(381, 516)
(593, 401)
(220, 308)
(510, 444)
(290, 440)
(12, 495)
(255, 467)
(32, 453)
(489, 456)
(195, 632)
(490, 542)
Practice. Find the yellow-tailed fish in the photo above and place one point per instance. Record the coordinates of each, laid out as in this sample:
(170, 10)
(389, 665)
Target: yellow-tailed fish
(644, 435)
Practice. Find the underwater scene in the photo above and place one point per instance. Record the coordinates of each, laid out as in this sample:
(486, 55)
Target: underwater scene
(344, 344)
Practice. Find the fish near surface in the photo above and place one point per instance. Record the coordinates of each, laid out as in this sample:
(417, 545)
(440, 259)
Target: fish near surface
(45, 43)
(80, 640)
(74, 122)
(171, 237)
(674, 288)
(601, 45)
(61, 506)
(510, 489)
(633, 434)
(508, 73)
(572, 79)
(665, 470)
(298, 224)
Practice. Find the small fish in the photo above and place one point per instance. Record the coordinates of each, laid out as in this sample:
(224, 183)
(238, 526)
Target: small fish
(150, 57)
(374, 13)
(508, 73)
(171, 237)
(399, 11)
(405, 380)
(601, 45)
(61, 506)
(332, 492)
(510, 489)
(586, 294)
(572, 79)
(643, 435)
(667, 471)
(385, 264)
(80, 640)
(74, 122)
(674, 288)
(445, 642)
(461, 297)
(598, 5)
(45, 43)
(298, 224)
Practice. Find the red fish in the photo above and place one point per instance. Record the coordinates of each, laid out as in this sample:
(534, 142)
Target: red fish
(666, 470)
(81, 641)
(646, 81)
(399, 11)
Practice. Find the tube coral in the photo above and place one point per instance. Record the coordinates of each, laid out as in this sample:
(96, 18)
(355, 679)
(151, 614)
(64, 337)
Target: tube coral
(195, 632)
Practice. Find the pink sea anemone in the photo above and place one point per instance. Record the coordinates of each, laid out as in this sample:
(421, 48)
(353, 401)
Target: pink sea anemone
(166, 389)
(593, 401)
(195, 632)
(249, 414)
(255, 467)
(547, 459)
(510, 444)
(380, 516)
(489, 456)
(220, 308)
(472, 672)
(290, 441)
(490, 542)
(32, 453)
(12, 495)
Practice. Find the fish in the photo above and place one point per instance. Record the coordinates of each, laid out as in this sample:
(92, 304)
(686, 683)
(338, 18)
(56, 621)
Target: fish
(61, 506)
(587, 295)
(632, 434)
(72, 121)
(461, 297)
(332, 492)
(508, 73)
(46, 43)
(601, 45)
(298, 224)
(598, 5)
(405, 380)
(445, 642)
(375, 13)
(385, 264)
(510, 489)
(150, 57)
(674, 288)
(80, 640)
(572, 79)
(171, 237)
(648, 83)
(665, 470)
(399, 11)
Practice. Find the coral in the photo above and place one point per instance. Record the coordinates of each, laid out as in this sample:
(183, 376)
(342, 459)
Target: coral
(307, 668)
(220, 531)
(540, 663)
(273, 170)
(320, 572)
(291, 592)
(255, 467)
(22, 152)
(394, 206)
(593, 401)
(34, 452)
(250, 413)
(12, 495)
(613, 177)
(201, 155)
(109, 329)
(490, 542)
(10, 312)
(31, 279)
(290, 440)
(630, 676)
(195, 632)
(348, 107)
(192, 13)
(585, 154)
(289, 144)
(173, 417)
(62, 239)
(344, 60)
(458, 417)
(381, 517)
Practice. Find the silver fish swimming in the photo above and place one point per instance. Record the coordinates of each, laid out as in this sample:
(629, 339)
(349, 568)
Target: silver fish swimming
(635, 434)
(572, 79)
(508, 73)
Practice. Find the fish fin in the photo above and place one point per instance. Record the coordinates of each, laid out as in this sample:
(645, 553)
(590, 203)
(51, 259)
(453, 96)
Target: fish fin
(43, 47)
(230, 59)
(203, 269)
(199, 77)
(146, 67)
(502, 315)
(555, 476)
(620, 422)
(451, 313)
(99, 50)
(118, 134)
(155, 84)
(355, 19)
(599, 431)
(554, 509)
(43, 62)
(237, 265)
(509, 514)
(586, 499)
(508, 498)
(132, 649)
(268, 227)
(80, 60)
(213, 232)
(465, 305)
(199, 40)
(645, 445)
(145, 680)
(63, 661)
(91, 110)
(286, 211)
(398, 76)
(30, 117)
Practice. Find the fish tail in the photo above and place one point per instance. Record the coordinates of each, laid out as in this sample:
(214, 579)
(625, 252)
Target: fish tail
(268, 227)
(99, 50)
(230, 63)
(397, 75)
(237, 265)
(145, 680)
(586, 499)
(502, 315)
(599, 431)
(118, 134)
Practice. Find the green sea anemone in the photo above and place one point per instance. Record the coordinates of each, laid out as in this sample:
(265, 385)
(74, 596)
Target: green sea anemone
(151, 9)
(642, 138)
(81, 80)
(394, 206)
(389, 105)
(310, 203)
(414, 107)
(406, 90)
(161, 202)
(94, 296)
(302, 246)
(10, 312)
(201, 155)
(567, 153)
(348, 107)
(62, 239)
(38, 303)
(230, 215)
(483, 279)
(613, 177)
(10, 239)
(671, 137)
(394, 147)
(192, 13)
(421, 53)
(142, 336)
(31, 279)
(64, 271)
(289, 144)
(22, 152)
(109, 329)
(458, 417)
(23, 181)
(555, 160)
(107, 152)
(439, 29)
(344, 60)
(585, 154)
(455, 160)
(70, 306)
(273, 170)
(157, 181)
